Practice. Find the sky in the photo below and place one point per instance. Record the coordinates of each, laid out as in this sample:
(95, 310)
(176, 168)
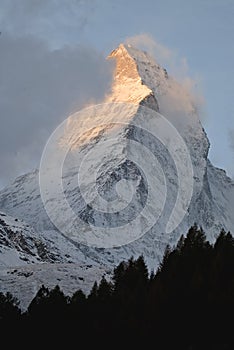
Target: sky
(53, 62)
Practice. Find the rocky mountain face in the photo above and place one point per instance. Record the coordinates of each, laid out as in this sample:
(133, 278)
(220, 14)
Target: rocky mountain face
(144, 179)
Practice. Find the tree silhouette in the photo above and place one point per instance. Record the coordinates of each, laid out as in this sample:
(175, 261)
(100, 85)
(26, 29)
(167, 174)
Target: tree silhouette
(9, 308)
(187, 304)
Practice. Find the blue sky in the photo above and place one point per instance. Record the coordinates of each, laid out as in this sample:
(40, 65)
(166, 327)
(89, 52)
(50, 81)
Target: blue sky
(83, 33)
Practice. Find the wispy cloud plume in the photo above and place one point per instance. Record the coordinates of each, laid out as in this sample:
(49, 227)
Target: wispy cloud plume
(177, 66)
(147, 42)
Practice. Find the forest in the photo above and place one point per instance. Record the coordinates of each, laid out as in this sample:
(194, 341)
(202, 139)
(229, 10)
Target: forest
(188, 303)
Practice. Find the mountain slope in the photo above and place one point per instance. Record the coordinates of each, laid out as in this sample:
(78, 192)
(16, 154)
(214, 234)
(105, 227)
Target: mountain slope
(23, 245)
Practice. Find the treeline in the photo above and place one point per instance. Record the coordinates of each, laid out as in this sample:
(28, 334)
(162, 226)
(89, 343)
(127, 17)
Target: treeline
(187, 304)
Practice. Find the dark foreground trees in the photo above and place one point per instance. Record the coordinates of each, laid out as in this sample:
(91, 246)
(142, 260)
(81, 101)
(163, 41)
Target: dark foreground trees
(187, 304)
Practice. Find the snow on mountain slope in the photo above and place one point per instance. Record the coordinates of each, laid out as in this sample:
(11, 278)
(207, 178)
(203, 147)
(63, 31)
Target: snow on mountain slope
(118, 145)
(28, 260)
(20, 245)
(24, 281)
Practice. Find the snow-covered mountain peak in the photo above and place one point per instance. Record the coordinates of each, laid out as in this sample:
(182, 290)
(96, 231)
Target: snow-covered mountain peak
(116, 178)
(127, 82)
(128, 89)
(139, 79)
(138, 75)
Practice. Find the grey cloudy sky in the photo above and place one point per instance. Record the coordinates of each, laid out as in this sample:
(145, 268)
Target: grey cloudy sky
(52, 61)
(40, 85)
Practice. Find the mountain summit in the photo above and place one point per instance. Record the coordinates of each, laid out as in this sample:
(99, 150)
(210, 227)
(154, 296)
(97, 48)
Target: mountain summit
(135, 175)
(128, 84)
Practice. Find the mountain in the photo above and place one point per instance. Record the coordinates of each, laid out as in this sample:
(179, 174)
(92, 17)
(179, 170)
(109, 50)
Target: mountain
(118, 179)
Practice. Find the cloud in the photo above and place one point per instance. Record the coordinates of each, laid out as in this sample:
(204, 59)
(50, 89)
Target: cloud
(178, 96)
(39, 88)
(57, 21)
(147, 42)
(177, 65)
(164, 56)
